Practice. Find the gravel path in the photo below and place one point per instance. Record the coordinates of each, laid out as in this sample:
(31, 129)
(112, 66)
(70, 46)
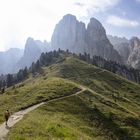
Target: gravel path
(16, 117)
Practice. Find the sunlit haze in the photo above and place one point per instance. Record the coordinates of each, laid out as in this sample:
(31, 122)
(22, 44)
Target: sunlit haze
(20, 19)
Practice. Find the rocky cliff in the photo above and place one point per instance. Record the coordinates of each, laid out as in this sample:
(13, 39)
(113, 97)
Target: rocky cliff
(134, 56)
(71, 34)
(129, 50)
(32, 52)
(117, 40)
(98, 43)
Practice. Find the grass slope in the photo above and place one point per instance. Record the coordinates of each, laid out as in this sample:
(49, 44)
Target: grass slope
(108, 110)
(34, 91)
(117, 96)
(65, 119)
(74, 118)
(105, 83)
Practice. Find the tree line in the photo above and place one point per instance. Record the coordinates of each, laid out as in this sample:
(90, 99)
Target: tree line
(45, 60)
(122, 70)
(48, 58)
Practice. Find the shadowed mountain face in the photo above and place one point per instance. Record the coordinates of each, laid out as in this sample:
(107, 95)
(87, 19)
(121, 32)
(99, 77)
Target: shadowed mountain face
(14, 59)
(129, 50)
(124, 51)
(134, 56)
(71, 34)
(31, 53)
(9, 59)
(117, 40)
(121, 44)
(33, 50)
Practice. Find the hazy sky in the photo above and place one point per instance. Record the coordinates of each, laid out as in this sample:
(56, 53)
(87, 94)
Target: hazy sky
(20, 19)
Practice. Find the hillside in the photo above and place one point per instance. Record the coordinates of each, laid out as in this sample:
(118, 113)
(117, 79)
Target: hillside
(33, 91)
(107, 110)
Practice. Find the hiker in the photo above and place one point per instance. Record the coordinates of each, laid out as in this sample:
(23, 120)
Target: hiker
(7, 115)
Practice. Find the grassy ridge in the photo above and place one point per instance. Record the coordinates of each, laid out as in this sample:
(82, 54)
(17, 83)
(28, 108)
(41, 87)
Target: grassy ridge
(105, 83)
(67, 119)
(116, 96)
(34, 91)
(74, 118)
(108, 110)
(113, 118)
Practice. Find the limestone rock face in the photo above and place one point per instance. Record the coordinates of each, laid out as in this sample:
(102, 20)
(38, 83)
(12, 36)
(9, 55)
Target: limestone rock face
(15, 59)
(124, 51)
(32, 52)
(129, 50)
(98, 43)
(121, 45)
(117, 40)
(95, 31)
(71, 34)
(134, 57)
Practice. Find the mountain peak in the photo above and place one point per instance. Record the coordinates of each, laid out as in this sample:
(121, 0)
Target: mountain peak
(135, 38)
(69, 17)
(30, 39)
(95, 30)
(94, 21)
(135, 41)
(116, 40)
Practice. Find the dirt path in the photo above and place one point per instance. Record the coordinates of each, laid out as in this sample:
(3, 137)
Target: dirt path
(16, 117)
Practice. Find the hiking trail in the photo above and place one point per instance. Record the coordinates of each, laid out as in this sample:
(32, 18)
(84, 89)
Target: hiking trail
(16, 117)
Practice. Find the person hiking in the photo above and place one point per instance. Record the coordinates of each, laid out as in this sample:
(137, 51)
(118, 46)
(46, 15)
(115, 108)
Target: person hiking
(7, 115)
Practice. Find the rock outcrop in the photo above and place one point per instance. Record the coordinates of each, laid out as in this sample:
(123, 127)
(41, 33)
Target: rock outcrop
(98, 43)
(129, 50)
(32, 52)
(71, 34)
(134, 57)
(117, 40)
(121, 44)
(124, 51)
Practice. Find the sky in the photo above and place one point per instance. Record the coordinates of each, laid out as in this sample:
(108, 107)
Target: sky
(20, 19)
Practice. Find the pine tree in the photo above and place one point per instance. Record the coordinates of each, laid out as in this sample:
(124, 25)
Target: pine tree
(33, 68)
(37, 66)
(42, 59)
(20, 75)
(0, 84)
(9, 80)
(25, 72)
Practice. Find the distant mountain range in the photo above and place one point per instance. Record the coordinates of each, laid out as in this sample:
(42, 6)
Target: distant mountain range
(71, 34)
(14, 59)
(129, 50)
(9, 59)
(32, 51)
(117, 40)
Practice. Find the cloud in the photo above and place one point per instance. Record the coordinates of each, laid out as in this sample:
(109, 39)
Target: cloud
(20, 19)
(93, 6)
(121, 22)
